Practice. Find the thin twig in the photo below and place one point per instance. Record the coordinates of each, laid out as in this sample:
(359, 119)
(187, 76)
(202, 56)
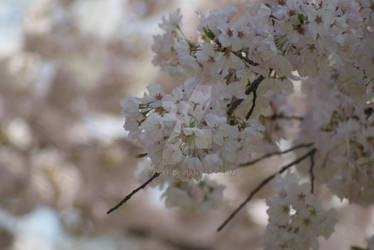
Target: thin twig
(234, 105)
(128, 197)
(185, 37)
(253, 89)
(311, 173)
(305, 145)
(284, 117)
(244, 58)
(254, 85)
(253, 105)
(261, 185)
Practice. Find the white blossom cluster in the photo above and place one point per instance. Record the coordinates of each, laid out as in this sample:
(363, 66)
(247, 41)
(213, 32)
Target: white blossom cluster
(345, 161)
(197, 194)
(203, 194)
(186, 133)
(296, 217)
(235, 80)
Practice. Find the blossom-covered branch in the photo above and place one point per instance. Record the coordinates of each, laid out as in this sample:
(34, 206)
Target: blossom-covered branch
(262, 184)
(233, 104)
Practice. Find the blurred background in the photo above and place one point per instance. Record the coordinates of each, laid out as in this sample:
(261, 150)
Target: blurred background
(64, 156)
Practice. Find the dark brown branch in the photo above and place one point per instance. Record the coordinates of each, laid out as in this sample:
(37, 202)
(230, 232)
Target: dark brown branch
(254, 85)
(244, 58)
(262, 184)
(128, 197)
(284, 117)
(305, 145)
(311, 173)
(253, 105)
(253, 89)
(233, 106)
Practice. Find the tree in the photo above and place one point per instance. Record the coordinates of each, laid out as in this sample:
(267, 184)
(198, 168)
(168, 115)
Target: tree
(231, 110)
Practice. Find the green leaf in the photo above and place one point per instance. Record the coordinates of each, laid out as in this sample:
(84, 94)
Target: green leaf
(301, 18)
(141, 155)
(209, 33)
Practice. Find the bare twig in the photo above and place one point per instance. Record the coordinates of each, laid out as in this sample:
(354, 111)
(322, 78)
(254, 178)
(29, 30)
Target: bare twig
(305, 145)
(284, 117)
(311, 173)
(128, 197)
(253, 105)
(261, 185)
(253, 89)
(233, 106)
(244, 58)
(254, 85)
